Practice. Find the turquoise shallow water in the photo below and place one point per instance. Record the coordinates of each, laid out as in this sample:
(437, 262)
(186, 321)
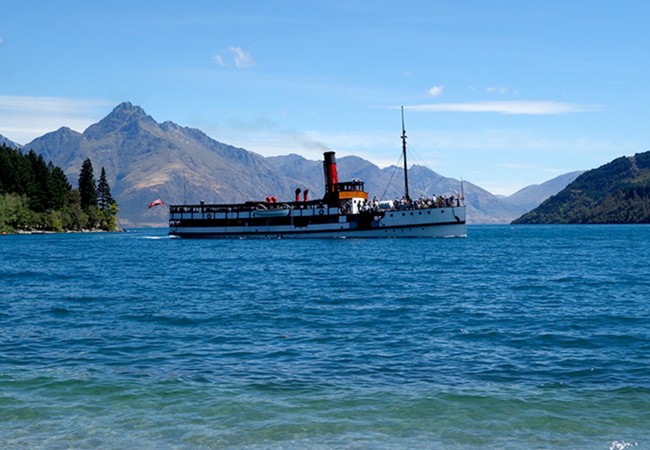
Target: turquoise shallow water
(516, 337)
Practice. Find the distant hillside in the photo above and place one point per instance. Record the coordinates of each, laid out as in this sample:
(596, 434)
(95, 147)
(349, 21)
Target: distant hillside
(146, 160)
(532, 196)
(8, 142)
(618, 192)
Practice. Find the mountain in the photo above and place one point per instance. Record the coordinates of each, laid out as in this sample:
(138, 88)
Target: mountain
(532, 196)
(8, 142)
(146, 160)
(617, 192)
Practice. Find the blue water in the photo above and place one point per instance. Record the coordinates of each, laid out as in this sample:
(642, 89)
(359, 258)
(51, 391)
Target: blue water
(516, 337)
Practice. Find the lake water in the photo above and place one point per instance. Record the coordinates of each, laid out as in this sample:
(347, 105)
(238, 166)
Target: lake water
(515, 337)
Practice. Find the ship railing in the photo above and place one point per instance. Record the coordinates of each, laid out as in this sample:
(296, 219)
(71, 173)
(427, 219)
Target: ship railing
(241, 207)
(370, 206)
(421, 203)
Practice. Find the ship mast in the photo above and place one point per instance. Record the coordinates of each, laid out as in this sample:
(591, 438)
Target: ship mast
(406, 174)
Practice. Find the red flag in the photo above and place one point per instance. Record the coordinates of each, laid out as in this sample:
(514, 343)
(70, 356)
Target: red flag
(156, 202)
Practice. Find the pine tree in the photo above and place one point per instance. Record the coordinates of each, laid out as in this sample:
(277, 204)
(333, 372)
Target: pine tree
(37, 191)
(24, 180)
(7, 169)
(59, 187)
(104, 198)
(87, 186)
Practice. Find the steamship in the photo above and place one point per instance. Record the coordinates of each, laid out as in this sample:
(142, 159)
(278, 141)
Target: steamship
(344, 211)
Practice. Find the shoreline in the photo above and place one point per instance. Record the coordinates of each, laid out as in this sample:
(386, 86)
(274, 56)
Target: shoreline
(90, 230)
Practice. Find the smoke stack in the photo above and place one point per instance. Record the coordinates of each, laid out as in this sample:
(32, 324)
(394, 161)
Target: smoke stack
(297, 195)
(331, 174)
(306, 195)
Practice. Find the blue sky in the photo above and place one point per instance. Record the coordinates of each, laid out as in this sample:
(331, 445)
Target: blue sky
(501, 93)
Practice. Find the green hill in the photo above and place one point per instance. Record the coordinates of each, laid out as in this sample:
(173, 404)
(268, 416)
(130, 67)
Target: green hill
(618, 192)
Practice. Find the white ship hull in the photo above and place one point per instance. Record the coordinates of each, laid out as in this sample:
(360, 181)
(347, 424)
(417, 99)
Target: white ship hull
(319, 222)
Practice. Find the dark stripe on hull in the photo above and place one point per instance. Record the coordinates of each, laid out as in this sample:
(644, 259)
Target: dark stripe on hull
(314, 233)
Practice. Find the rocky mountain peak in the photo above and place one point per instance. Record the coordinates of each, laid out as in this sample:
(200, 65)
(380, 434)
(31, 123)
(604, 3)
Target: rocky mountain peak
(62, 136)
(123, 115)
(126, 111)
(65, 131)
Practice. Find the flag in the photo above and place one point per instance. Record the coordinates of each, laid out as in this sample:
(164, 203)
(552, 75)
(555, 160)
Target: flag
(156, 202)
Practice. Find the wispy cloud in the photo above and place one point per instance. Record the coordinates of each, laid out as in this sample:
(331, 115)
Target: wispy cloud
(234, 56)
(1, 40)
(23, 118)
(508, 107)
(501, 90)
(242, 59)
(435, 91)
(219, 60)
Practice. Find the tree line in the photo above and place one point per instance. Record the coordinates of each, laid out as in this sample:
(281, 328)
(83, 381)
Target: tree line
(35, 195)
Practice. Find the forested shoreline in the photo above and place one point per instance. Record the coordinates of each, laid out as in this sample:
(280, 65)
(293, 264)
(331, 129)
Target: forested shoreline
(37, 196)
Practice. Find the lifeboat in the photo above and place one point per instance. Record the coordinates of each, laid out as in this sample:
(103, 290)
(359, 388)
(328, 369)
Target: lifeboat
(276, 211)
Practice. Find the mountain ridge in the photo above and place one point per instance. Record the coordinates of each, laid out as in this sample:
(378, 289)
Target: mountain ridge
(145, 160)
(532, 196)
(9, 143)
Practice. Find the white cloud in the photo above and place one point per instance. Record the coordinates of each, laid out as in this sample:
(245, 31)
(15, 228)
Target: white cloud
(508, 107)
(498, 90)
(243, 59)
(435, 91)
(501, 90)
(24, 118)
(236, 56)
(219, 60)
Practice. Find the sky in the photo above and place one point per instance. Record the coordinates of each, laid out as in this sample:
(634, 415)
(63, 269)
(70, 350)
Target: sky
(503, 94)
